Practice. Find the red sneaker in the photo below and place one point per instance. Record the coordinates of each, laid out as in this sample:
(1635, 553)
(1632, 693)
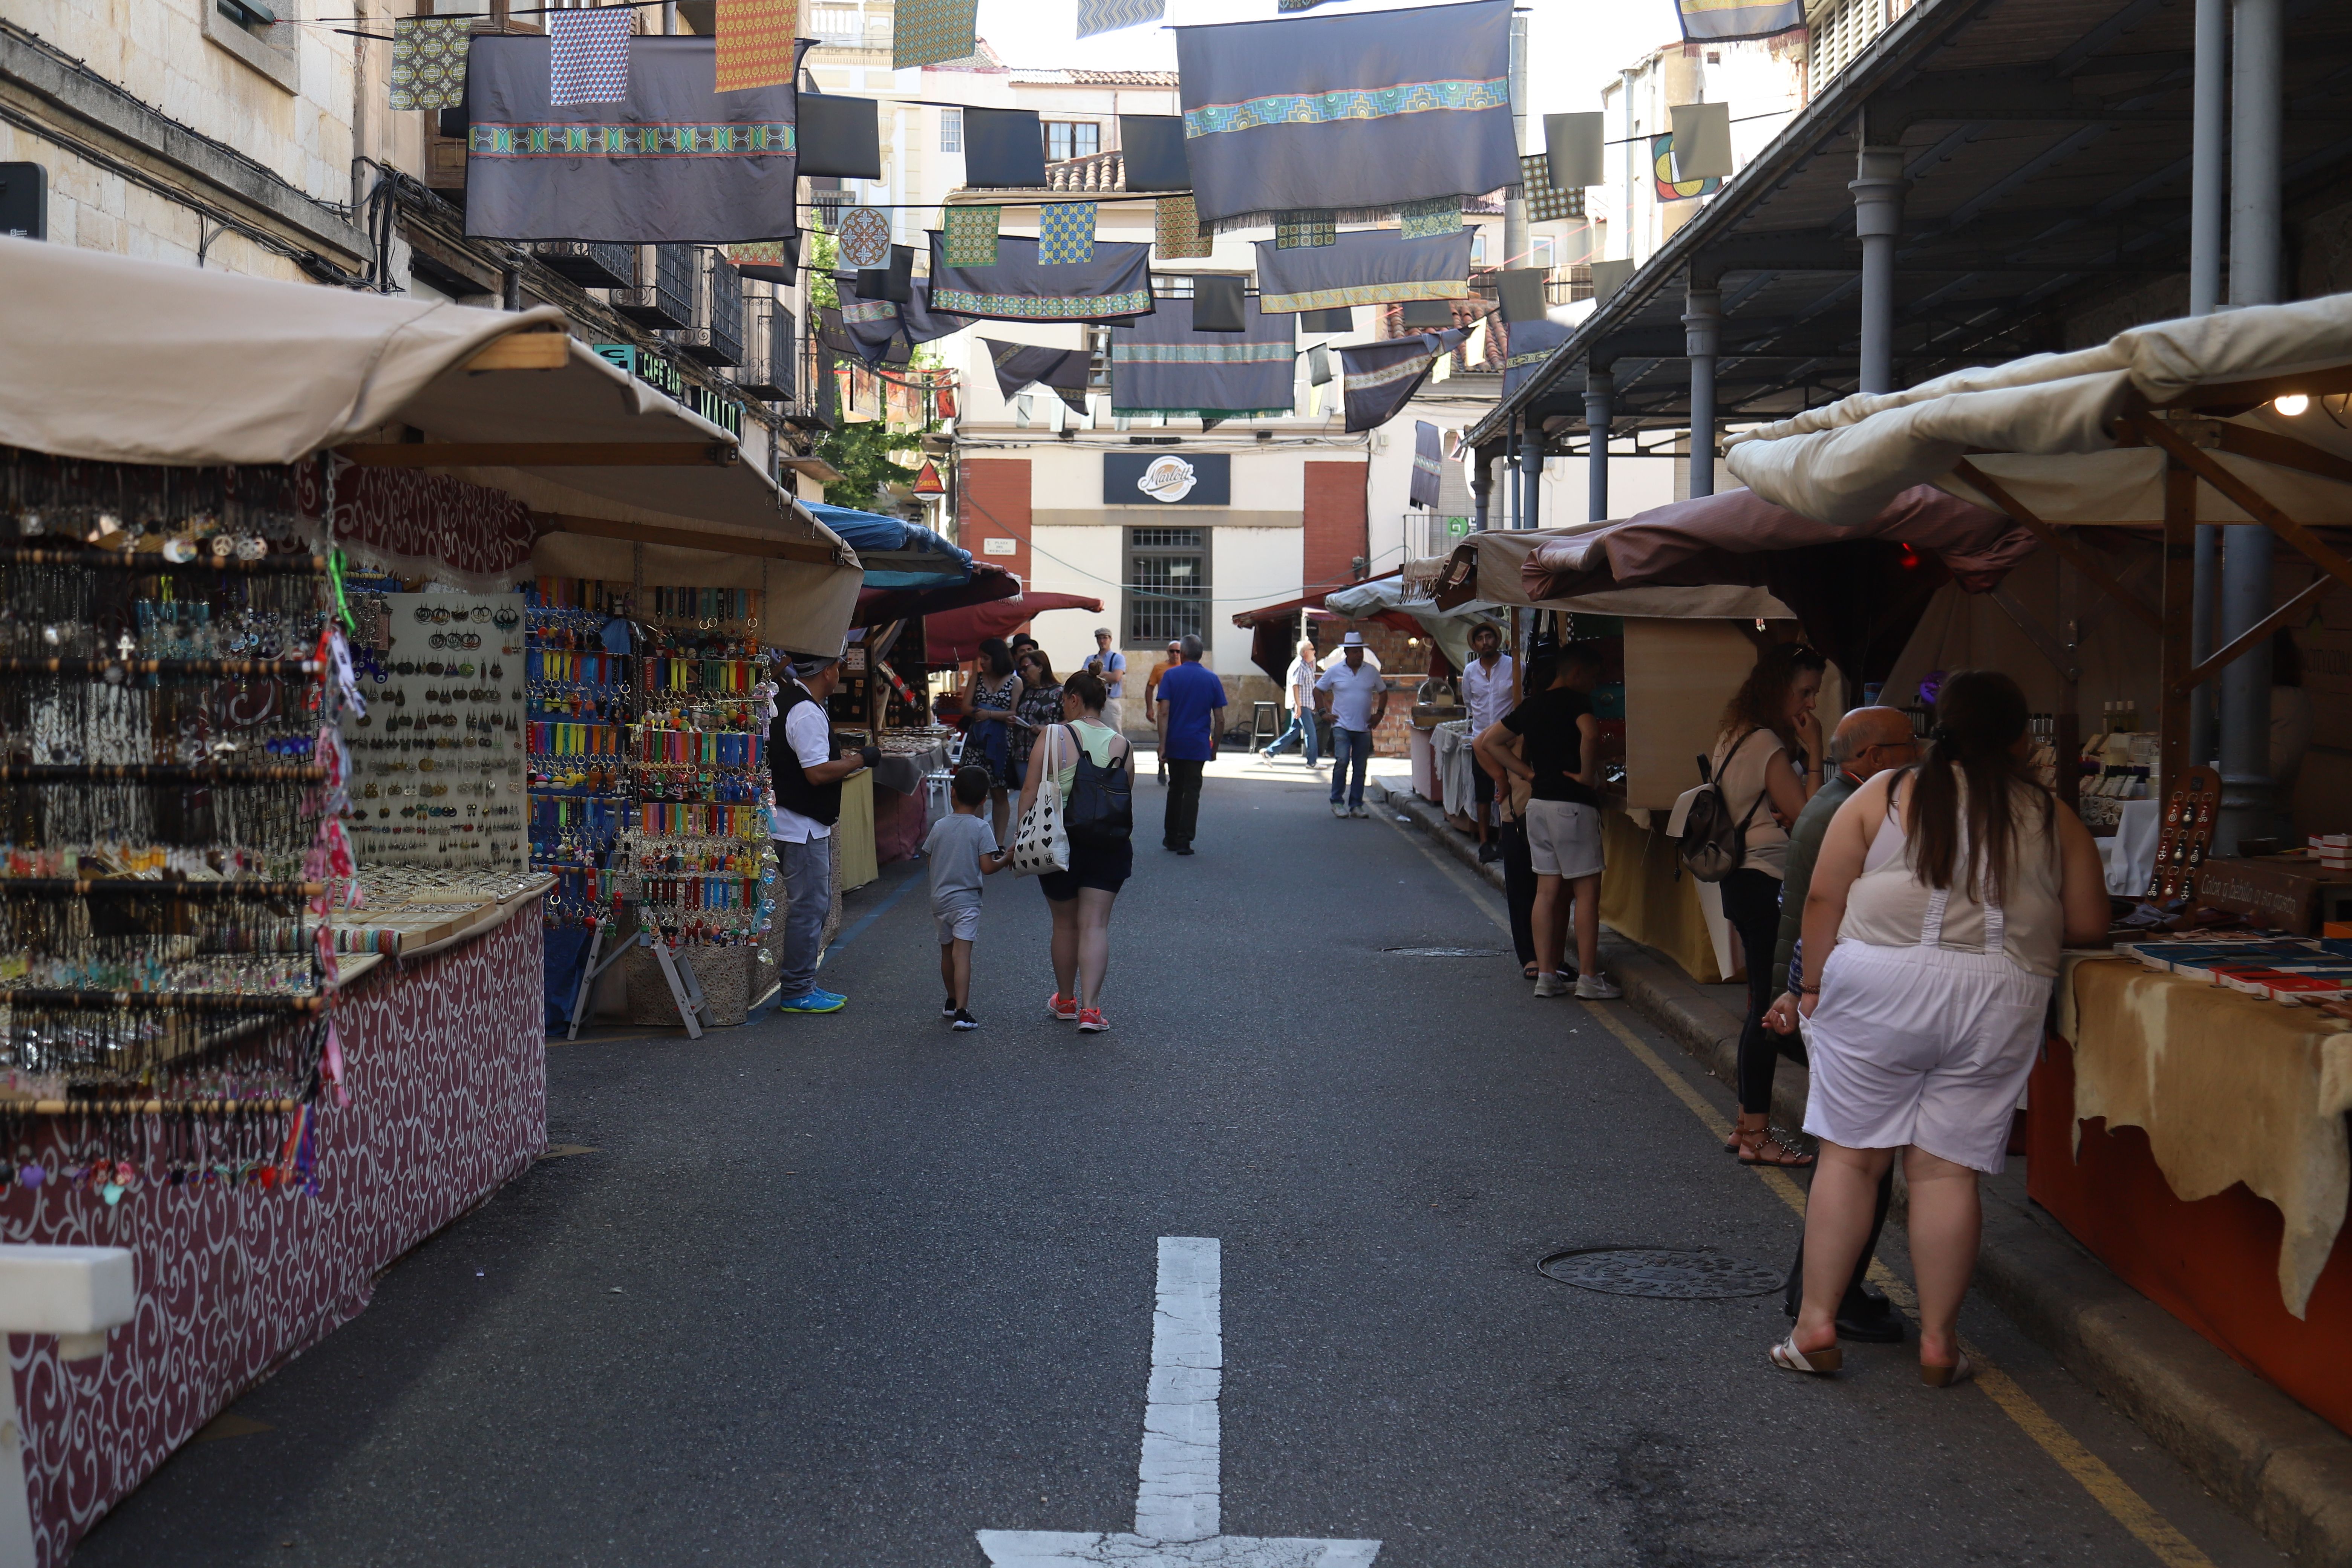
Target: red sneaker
(1091, 1021)
(1066, 1008)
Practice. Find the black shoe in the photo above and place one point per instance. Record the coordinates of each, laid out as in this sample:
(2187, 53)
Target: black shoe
(1184, 849)
(1873, 1320)
(963, 1021)
(948, 1008)
(1489, 853)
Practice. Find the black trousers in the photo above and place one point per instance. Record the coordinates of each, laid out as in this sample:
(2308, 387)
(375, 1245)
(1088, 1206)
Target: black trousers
(1183, 803)
(1518, 887)
(1854, 1301)
(1751, 902)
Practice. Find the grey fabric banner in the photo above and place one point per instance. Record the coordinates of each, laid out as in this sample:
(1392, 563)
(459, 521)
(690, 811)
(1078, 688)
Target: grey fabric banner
(1364, 267)
(1347, 112)
(1526, 345)
(676, 163)
(1428, 465)
(1113, 286)
(1714, 22)
(873, 325)
(1572, 144)
(1063, 371)
(1378, 379)
(1160, 364)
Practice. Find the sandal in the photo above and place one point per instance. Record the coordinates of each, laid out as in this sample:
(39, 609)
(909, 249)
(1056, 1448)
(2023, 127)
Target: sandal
(1788, 1358)
(1528, 971)
(1960, 1371)
(1755, 1141)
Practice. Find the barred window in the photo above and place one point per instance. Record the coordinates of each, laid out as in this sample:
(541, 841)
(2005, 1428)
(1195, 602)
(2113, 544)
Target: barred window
(1167, 585)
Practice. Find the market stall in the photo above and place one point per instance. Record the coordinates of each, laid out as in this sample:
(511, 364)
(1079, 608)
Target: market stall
(269, 999)
(2187, 1118)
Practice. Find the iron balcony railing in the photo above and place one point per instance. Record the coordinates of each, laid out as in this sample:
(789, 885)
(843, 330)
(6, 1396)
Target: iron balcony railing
(663, 296)
(771, 352)
(714, 335)
(589, 264)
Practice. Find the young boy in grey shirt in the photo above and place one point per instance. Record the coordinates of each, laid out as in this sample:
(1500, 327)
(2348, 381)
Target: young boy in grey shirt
(963, 849)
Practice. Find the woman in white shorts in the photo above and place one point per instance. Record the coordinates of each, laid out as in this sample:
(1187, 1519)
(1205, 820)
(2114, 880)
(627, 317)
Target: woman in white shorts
(1941, 898)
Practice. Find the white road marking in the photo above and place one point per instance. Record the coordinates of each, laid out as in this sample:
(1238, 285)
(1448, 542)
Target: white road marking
(1178, 1482)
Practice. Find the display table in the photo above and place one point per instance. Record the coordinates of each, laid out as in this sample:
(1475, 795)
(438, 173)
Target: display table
(1645, 896)
(2193, 1137)
(852, 836)
(445, 1065)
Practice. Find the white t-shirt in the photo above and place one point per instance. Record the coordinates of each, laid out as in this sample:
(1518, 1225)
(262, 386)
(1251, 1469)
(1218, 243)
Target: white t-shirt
(1488, 696)
(810, 733)
(1353, 694)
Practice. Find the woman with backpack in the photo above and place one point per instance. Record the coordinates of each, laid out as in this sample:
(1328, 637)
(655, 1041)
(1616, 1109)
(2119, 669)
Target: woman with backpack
(1933, 925)
(1768, 760)
(1094, 766)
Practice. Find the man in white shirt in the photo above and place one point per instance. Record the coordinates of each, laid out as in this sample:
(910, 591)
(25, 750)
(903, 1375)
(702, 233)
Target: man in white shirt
(808, 803)
(1111, 665)
(1486, 691)
(1359, 699)
(1299, 687)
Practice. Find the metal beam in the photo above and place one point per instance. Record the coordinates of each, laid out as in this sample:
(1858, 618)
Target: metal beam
(541, 454)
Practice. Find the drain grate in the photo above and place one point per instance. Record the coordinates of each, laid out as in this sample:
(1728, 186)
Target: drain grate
(1445, 952)
(1667, 1273)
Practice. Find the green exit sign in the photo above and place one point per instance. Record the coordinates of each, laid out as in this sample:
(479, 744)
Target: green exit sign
(1457, 527)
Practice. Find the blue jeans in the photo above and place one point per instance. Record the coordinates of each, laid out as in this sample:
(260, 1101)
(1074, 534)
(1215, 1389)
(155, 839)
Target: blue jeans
(808, 898)
(1303, 729)
(1350, 749)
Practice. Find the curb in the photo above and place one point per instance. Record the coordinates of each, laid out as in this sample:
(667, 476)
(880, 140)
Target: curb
(2286, 1470)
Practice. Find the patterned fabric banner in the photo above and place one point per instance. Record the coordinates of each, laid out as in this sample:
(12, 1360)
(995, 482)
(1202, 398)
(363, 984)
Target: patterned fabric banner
(1526, 345)
(1161, 365)
(1109, 16)
(755, 43)
(1293, 229)
(679, 163)
(1428, 465)
(971, 235)
(1065, 371)
(933, 32)
(1718, 21)
(1661, 175)
(1365, 267)
(1296, 5)
(1176, 229)
(428, 61)
(865, 237)
(1066, 233)
(588, 55)
(873, 325)
(1548, 202)
(1113, 286)
(1379, 379)
(766, 260)
(1349, 113)
(1419, 220)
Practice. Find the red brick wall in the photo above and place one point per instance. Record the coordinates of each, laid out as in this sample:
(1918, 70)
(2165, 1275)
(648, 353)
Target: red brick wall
(992, 502)
(1335, 525)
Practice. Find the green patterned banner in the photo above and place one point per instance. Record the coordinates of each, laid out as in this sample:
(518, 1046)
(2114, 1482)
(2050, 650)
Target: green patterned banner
(560, 141)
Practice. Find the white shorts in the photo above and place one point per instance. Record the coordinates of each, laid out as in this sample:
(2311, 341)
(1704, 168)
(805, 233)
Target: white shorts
(1925, 1046)
(1563, 838)
(957, 921)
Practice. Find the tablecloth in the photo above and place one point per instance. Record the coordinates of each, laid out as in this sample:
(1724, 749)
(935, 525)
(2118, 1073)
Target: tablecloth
(1456, 760)
(905, 770)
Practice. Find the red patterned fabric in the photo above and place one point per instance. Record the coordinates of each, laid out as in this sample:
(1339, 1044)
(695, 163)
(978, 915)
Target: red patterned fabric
(447, 1065)
(409, 521)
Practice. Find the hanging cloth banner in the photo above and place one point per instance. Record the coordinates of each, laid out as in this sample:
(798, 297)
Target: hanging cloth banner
(1548, 202)
(932, 32)
(1364, 267)
(1110, 16)
(1722, 21)
(1151, 153)
(865, 238)
(677, 163)
(1161, 365)
(971, 235)
(428, 61)
(1526, 345)
(1114, 284)
(872, 324)
(1063, 371)
(1066, 233)
(1176, 230)
(756, 43)
(1379, 379)
(1428, 465)
(1359, 113)
(588, 55)
(767, 260)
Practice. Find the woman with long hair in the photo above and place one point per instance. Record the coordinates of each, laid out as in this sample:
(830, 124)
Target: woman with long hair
(1039, 708)
(1081, 897)
(991, 699)
(1933, 924)
(1768, 757)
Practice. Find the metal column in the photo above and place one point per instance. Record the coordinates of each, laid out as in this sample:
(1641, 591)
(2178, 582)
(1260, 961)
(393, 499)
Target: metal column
(1702, 335)
(2257, 60)
(1600, 391)
(1877, 221)
(1531, 460)
(2209, 184)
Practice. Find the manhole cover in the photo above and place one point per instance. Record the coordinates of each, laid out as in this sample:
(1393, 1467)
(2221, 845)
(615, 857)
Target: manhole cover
(1445, 952)
(1668, 1274)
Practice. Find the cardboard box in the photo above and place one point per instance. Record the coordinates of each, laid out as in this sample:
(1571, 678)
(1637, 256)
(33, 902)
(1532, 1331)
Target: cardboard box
(2293, 895)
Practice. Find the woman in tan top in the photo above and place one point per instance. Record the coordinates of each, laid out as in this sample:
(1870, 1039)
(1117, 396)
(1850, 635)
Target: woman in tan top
(1933, 924)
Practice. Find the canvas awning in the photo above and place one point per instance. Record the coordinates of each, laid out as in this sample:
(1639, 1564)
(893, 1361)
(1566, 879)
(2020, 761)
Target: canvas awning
(115, 360)
(1490, 567)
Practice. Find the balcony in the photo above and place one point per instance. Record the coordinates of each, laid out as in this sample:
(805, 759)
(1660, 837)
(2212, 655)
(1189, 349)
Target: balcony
(663, 294)
(590, 266)
(714, 334)
(769, 351)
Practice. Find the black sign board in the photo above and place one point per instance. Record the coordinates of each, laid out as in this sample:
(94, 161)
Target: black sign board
(25, 201)
(1168, 477)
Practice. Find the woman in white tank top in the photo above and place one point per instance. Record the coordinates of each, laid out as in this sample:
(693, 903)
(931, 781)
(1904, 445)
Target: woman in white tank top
(1933, 924)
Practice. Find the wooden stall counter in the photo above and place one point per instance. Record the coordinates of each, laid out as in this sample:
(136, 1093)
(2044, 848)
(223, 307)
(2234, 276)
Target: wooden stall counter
(2193, 1137)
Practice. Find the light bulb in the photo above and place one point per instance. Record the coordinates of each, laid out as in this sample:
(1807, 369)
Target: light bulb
(2293, 404)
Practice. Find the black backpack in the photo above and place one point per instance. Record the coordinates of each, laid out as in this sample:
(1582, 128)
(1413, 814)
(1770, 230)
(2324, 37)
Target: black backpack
(1102, 800)
(1713, 846)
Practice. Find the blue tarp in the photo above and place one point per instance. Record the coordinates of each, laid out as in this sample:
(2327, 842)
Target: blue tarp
(896, 553)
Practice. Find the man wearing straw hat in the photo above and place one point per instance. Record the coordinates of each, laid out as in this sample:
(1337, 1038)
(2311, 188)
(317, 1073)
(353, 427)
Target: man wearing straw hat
(1111, 665)
(802, 757)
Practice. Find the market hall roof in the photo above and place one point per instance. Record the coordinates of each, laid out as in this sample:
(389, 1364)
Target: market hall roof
(2046, 145)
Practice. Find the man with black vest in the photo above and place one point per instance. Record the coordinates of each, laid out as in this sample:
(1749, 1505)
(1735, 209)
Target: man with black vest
(808, 771)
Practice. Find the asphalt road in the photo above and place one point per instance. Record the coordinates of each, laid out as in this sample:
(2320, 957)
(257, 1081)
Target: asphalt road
(842, 1291)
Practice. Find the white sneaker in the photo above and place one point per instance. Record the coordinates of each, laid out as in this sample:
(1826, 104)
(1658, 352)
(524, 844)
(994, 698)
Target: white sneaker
(1358, 811)
(1550, 983)
(1598, 989)
(1339, 810)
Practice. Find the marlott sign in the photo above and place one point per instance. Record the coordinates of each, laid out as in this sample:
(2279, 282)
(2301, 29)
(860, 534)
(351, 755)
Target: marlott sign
(1167, 478)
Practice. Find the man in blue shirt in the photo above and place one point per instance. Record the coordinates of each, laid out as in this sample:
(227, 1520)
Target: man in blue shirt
(1191, 715)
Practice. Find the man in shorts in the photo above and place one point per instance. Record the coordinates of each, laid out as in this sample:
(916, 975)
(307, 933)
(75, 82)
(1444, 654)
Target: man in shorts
(1559, 756)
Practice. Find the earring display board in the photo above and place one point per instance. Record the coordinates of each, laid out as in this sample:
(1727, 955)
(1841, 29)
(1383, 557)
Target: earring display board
(437, 762)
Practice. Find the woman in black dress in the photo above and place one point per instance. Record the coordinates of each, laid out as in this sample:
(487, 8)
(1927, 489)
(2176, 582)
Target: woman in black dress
(992, 698)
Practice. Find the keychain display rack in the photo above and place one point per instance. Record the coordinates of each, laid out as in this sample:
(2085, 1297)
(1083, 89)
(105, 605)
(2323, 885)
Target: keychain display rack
(579, 712)
(168, 766)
